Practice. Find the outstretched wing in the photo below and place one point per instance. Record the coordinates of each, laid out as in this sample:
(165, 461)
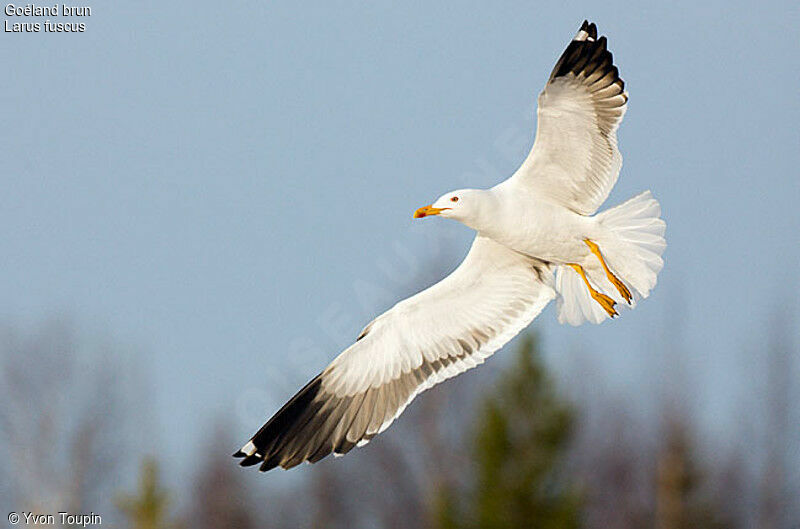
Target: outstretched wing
(436, 334)
(575, 160)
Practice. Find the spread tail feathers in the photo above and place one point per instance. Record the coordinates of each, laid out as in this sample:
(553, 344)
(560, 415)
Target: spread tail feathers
(631, 240)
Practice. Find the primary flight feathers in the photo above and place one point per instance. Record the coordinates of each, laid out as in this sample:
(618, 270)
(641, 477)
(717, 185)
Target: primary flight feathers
(575, 157)
(536, 241)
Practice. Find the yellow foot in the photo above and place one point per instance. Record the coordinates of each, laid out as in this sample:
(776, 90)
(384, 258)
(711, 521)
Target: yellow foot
(606, 302)
(621, 288)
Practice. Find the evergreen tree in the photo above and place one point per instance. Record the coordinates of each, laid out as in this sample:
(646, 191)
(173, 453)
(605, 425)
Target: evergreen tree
(148, 507)
(522, 434)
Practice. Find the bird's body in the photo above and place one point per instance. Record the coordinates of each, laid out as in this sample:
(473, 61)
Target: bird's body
(539, 238)
(537, 227)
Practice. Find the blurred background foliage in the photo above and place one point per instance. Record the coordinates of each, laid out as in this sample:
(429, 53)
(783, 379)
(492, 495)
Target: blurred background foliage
(507, 445)
(521, 439)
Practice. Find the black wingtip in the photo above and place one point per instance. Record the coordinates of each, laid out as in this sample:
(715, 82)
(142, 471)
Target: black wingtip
(249, 461)
(590, 28)
(586, 56)
(269, 443)
(269, 464)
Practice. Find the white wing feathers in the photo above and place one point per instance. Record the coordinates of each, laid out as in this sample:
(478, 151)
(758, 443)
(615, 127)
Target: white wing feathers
(495, 292)
(436, 334)
(575, 161)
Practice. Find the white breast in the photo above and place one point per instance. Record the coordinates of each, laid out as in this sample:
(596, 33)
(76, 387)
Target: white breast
(539, 228)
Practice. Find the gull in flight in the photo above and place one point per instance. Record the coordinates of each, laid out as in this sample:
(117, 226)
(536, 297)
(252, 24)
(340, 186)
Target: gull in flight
(537, 239)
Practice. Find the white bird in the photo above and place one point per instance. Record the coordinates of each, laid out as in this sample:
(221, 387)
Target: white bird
(537, 239)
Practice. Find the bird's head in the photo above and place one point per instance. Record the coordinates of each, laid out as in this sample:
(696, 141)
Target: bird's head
(465, 205)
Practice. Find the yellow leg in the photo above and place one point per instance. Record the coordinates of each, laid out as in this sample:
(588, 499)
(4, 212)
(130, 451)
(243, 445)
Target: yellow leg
(623, 290)
(606, 302)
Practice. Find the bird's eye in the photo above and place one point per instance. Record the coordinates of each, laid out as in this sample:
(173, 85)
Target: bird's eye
(454, 199)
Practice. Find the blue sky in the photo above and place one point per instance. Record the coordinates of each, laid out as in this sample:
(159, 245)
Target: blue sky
(228, 188)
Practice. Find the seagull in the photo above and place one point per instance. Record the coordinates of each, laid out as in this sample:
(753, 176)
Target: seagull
(537, 239)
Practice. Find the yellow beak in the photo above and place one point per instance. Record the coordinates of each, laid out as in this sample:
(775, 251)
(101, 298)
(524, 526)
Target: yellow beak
(427, 211)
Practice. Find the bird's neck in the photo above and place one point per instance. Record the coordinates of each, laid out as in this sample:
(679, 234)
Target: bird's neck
(484, 217)
(497, 215)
